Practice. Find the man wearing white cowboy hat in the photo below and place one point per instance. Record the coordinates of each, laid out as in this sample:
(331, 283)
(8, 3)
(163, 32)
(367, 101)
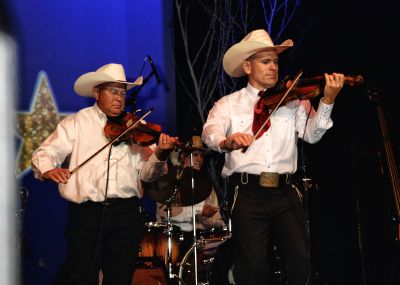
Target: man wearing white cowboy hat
(264, 204)
(104, 223)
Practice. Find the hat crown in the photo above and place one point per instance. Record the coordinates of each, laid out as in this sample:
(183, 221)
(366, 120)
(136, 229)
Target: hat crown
(113, 70)
(259, 36)
(196, 142)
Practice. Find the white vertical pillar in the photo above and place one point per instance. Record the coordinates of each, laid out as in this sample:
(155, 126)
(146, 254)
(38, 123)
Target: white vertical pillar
(9, 245)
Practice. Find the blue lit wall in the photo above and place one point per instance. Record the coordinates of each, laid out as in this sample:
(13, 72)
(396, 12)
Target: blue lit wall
(59, 41)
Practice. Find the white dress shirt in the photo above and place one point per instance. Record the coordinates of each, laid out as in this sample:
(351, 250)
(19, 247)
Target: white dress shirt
(183, 216)
(79, 136)
(276, 149)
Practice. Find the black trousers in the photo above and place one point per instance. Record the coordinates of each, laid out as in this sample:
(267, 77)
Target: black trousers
(260, 214)
(102, 237)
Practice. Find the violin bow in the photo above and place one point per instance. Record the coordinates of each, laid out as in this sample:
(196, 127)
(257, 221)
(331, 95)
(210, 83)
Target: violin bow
(131, 127)
(295, 80)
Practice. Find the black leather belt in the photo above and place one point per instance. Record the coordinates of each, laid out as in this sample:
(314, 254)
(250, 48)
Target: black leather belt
(265, 179)
(115, 201)
(111, 201)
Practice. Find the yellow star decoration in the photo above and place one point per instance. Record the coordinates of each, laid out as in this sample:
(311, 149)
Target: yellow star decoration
(35, 126)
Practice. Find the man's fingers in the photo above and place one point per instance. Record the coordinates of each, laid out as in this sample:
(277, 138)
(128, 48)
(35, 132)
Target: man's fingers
(243, 140)
(58, 175)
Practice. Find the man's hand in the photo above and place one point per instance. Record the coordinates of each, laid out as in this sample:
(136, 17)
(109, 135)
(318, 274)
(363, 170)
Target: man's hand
(236, 141)
(57, 175)
(333, 84)
(164, 146)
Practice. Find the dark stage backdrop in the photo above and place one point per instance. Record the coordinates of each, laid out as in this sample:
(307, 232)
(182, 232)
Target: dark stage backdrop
(349, 202)
(58, 41)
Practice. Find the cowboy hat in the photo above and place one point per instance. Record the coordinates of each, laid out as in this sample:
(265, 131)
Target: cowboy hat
(111, 72)
(195, 144)
(252, 43)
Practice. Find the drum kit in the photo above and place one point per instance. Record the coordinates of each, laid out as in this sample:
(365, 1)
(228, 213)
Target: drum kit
(180, 187)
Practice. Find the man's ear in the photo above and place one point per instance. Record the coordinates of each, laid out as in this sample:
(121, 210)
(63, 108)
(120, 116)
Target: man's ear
(246, 67)
(96, 93)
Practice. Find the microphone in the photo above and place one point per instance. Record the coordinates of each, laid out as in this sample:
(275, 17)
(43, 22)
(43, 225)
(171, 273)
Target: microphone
(153, 68)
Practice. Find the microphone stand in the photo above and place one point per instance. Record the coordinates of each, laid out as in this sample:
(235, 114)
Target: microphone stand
(193, 217)
(168, 204)
(306, 187)
(131, 101)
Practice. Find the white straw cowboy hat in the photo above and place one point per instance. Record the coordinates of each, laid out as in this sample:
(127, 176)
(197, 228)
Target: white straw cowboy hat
(252, 43)
(112, 72)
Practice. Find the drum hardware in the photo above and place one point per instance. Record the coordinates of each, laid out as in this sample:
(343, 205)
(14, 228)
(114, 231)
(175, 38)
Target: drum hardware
(168, 260)
(154, 244)
(176, 187)
(189, 200)
(169, 202)
(194, 220)
(181, 186)
(207, 250)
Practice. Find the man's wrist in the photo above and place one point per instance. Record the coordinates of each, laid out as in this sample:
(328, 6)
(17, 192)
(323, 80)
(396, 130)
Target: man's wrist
(162, 155)
(222, 144)
(326, 101)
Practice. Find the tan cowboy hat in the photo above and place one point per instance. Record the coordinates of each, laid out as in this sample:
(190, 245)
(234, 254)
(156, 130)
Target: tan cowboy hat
(252, 43)
(111, 72)
(194, 145)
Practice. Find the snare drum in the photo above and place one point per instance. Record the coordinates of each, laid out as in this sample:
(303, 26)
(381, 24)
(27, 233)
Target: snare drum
(155, 242)
(215, 234)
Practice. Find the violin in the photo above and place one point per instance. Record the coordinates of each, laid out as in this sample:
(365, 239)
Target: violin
(126, 131)
(304, 89)
(142, 134)
(131, 130)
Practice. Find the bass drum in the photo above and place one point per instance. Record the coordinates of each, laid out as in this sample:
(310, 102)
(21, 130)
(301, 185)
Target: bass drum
(155, 242)
(206, 250)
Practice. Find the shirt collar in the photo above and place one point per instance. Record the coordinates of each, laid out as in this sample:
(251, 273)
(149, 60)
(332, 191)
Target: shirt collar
(252, 91)
(99, 112)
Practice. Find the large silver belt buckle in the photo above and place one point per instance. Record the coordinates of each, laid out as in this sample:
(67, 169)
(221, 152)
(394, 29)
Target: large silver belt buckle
(269, 179)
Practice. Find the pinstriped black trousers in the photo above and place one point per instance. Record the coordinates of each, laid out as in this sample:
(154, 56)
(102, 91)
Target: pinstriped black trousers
(260, 214)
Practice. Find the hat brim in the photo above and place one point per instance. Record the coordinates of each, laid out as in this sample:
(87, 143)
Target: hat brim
(238, 53)
(84, 84)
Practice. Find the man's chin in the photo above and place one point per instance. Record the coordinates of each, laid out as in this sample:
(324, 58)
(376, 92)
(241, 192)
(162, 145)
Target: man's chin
(117, 112)
(114, 114)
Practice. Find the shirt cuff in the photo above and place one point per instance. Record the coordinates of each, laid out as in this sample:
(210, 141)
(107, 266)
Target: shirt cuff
(324, 111)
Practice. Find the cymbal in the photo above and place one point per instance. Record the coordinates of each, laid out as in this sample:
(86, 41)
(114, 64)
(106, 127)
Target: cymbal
(162, 189)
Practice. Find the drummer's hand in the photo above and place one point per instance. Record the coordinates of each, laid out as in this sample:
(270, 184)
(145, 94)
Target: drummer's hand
(176, 210)
(236, 141)
(209, 211)
(57, 175)
(165, 145)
